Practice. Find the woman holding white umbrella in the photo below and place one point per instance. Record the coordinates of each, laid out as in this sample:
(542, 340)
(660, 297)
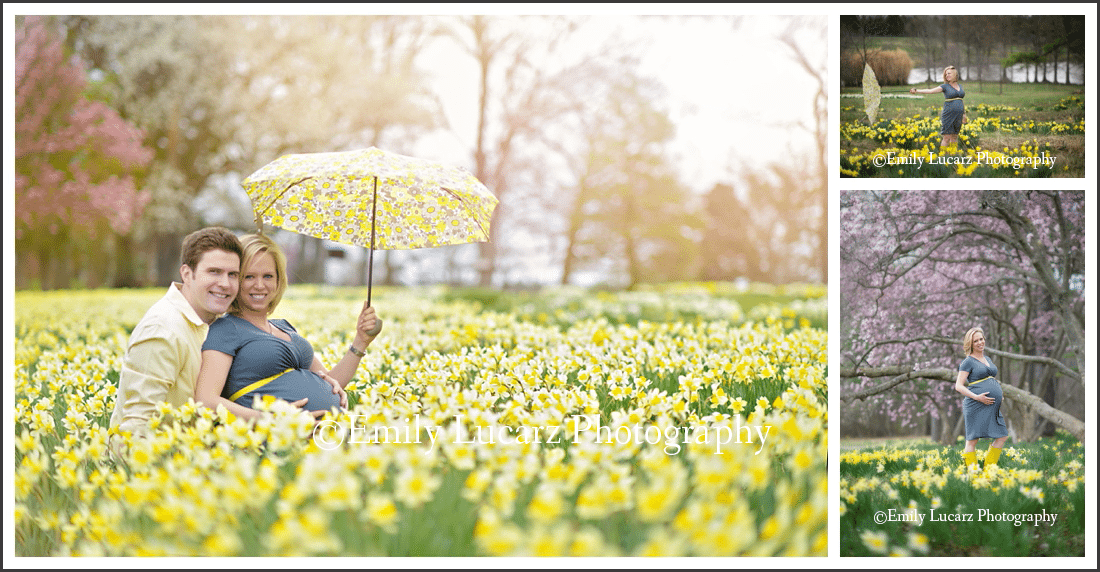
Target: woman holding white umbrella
(953, 114)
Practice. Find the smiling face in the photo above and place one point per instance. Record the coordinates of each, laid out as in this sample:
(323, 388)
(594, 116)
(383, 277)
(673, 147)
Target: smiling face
(950, 74)
(974, 342)
(212, 284)
(263, 276)
(259, 284)
(978, 345)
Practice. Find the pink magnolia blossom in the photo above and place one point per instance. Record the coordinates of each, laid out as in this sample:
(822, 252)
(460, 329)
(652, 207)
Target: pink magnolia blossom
(75, 159)
(920, 266)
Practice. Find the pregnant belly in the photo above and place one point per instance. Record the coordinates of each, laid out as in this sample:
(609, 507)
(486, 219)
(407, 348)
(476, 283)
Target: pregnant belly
(989, 386)
(302, 384)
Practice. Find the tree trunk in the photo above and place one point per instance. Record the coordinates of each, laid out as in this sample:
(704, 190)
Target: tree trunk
(486, 264)
(630, 245)
(1055, 54)
(310, 267)
(959, 429)
(26, 266)
(44, 261)
(125, 276)
(570, 256)
(941, 425)
(484, 54)
(390, 268)
(1026, 421)
(168, 258)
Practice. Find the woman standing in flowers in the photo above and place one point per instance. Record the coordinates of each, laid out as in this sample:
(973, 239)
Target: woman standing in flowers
(247, 355)
(951, 118)
(977, 373)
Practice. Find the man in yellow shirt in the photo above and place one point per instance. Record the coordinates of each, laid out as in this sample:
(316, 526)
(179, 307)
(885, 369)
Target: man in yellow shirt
(165, 349)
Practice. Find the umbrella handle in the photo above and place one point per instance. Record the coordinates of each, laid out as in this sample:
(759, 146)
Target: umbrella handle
(377, 327)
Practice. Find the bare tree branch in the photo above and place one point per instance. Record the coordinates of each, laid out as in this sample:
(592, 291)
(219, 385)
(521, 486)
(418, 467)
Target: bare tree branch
(903, 373)
(1066, 370)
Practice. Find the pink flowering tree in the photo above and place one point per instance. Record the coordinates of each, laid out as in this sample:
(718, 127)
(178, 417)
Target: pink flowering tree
(920, 268)
(76, 160)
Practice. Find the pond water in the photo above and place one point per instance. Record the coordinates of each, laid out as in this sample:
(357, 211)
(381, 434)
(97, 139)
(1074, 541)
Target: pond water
(1016, 74)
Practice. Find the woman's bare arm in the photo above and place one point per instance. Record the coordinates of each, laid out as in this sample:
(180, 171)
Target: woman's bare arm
(208, 387)
(960, 386)
(936, 89)
(349, 363)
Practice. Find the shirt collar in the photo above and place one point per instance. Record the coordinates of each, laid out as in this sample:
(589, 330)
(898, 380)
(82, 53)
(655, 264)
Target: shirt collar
(176, 298)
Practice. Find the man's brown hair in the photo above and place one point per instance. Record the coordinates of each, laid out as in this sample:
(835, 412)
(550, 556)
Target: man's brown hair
(204, 240)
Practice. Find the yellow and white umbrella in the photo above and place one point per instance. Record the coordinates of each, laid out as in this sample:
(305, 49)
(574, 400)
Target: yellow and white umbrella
(372, 198)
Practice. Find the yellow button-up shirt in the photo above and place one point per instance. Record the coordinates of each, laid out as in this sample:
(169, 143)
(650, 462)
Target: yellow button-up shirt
(161, 363)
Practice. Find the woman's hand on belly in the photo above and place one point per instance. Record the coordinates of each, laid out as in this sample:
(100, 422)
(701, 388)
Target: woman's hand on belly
(336, 388)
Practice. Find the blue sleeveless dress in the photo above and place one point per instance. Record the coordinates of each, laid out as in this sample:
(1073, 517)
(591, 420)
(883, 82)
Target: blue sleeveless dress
(258, 354)
(952, 115)
(983, 420)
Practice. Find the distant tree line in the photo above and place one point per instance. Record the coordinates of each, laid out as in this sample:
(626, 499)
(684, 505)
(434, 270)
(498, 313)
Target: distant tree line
(125, 124)
(983, 48)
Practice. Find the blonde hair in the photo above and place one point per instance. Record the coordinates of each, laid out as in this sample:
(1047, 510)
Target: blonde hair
(968, 339)
(950, 68)
(253, 246)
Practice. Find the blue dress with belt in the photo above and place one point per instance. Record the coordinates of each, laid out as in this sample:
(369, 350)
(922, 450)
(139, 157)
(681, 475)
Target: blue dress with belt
(982, 420)
(952, 115)
(259, 355)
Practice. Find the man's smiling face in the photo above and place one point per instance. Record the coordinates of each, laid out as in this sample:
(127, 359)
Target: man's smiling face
(212, 285)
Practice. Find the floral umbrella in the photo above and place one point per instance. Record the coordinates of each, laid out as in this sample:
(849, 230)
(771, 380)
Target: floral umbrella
(372, 198)
(871, 93)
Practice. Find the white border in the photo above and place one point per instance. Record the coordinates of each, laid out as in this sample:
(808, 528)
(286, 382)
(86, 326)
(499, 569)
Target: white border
(1088, 184)
(835, 185)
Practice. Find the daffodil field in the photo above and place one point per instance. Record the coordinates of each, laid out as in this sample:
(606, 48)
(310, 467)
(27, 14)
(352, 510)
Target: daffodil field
(681, 420)
(921, 500)
(1039, 133)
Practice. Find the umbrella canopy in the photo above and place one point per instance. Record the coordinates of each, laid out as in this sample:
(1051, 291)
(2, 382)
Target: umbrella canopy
(871, 93)
(372, 198)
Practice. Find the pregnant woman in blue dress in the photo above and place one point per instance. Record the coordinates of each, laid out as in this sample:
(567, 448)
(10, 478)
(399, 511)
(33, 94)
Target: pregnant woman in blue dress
(951, 117)
(977, 381)
(246, 355)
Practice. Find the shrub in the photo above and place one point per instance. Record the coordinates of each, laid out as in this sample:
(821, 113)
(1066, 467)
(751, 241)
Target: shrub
(891, 67)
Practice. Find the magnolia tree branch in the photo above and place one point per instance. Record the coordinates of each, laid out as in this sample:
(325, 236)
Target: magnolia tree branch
(1024, 276)
(901, 374)
(1069, 372)
(1066, 370)
(1014, 241)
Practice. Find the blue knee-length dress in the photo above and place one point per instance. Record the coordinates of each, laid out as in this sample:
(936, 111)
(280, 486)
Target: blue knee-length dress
(258, 355)
(952, 115)
(983, 421)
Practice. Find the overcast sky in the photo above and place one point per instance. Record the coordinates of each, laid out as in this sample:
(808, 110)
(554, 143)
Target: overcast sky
(734, 89)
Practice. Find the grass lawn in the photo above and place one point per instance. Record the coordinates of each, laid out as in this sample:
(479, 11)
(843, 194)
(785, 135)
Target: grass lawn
(1016, 122)
(914, 497)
